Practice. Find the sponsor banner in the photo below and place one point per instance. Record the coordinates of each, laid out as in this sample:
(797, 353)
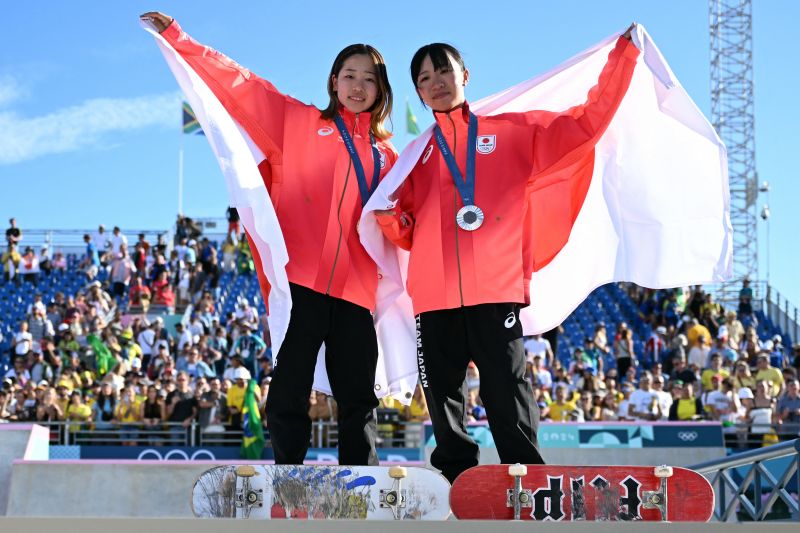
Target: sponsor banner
(210, 453)
(615, 435)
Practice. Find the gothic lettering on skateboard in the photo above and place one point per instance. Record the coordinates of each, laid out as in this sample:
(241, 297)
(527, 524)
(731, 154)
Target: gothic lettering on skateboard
(573, 493)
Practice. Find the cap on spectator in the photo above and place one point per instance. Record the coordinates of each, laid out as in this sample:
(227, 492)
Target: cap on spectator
(722, 332)
(777, 339)
(127, 334)
(677, 382)
(162, 393)
(42, 384)
(684, 340)
(95, 284)
(762, 357)
(192, 242)
(136, 363)
(768, 346)
(158, 320)
(63, 327)
(745, 393)
(241, 373)
(661, 330)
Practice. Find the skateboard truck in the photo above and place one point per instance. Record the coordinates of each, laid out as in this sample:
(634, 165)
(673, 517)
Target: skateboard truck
(517, 497)
(394, 498)
(247, 498)
(657, 499)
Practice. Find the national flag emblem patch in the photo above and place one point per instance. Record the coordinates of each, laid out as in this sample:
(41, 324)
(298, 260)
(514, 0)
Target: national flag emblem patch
(485, 144)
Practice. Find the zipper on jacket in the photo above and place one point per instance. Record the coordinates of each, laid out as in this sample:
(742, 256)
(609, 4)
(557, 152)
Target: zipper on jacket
(455, 210)
(339, 211)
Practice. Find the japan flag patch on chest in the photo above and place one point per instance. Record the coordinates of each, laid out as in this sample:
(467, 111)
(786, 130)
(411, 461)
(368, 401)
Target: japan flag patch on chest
(485, 144)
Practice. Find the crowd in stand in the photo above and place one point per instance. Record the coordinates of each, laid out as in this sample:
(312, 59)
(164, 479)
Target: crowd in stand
(104, 358)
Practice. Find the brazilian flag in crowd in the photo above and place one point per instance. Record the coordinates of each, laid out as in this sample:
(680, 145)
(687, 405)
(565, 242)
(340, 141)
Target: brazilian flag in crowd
(104, 360)
(253, 441)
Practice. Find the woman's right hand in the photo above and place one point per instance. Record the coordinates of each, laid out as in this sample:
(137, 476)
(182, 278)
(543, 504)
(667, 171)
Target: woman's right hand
(159, 20)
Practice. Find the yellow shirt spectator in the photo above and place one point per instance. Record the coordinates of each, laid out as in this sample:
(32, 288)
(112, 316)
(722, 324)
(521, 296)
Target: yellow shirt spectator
(560, 412)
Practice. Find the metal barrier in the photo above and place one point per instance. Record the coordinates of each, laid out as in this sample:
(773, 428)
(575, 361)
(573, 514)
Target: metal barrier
(324, 434)
(747, 495)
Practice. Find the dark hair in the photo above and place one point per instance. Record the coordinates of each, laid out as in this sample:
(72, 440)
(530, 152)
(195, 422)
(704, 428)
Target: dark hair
(382, 108)
(438, 53)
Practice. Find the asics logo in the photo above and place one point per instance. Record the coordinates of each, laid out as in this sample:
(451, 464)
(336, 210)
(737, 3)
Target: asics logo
(427, 154)
(324, 132)
(510, 320)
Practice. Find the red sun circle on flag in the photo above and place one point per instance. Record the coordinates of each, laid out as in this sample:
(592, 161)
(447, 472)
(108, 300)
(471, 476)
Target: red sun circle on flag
(485, 140)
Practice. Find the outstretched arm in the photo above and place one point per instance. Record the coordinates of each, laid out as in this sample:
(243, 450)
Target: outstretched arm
(568, 137)
(252, 101)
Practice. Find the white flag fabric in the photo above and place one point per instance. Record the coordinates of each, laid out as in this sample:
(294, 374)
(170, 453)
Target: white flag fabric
(657, 212)
(238, 158)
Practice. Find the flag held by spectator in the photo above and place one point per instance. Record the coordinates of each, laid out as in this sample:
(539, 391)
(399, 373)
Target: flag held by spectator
(253, 440)
(411, 121)
(104, 360)
(190, 123)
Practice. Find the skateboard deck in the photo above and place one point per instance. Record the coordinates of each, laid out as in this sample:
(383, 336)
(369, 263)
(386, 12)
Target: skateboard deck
(555, 492)
(320, 492)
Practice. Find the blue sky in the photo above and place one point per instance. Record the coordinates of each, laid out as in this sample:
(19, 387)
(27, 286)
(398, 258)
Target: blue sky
(90, 115)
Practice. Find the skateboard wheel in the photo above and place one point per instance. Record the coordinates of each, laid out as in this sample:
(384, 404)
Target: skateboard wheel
(662, 471)
(391, 498)
(517, 470)
(398, 472)
(524, 497)
(252, 497)
(245, 471)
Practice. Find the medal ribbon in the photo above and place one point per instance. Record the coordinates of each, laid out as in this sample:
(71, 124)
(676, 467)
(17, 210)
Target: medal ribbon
(466, 187)
(366, 190)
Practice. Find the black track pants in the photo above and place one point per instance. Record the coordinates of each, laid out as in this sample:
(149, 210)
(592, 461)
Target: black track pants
(491, 336)
(351, 354)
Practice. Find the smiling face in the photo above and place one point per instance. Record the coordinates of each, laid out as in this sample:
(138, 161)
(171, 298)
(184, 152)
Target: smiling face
(356, 84)
(441, 89)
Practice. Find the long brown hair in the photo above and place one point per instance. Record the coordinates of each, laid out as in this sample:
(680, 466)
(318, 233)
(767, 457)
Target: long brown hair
(382, 107)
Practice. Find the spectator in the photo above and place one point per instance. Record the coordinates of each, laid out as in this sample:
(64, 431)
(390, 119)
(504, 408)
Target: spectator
(745, 309)
(13, 233)
(117, 240)
(788, 409)
(48, 410)
(10, 261)
(29, 266)
(229, 251)
(722, 347)
(39, 325)
(688, 407)
(127, 414)
(664, 397)
(139, 295)
(540, 375)
(537, 345)
(236, 396)
(153, 414)
(761, 415)
(193, 365)
(562, 409)
(643, 402)
(163, 293)
(768, 373)
(122, 270)
(101, 240)
(23, 340)
(715, 369)
(600, 338)
(623, 351)
(59, 263)
(698, 353)
(233, 222)
(695, 331)
(249, 346)
(654, 347)
(185, 337)
(213, 408)
(608, 408)
(91, 261)
(181, 409)
(104, 406)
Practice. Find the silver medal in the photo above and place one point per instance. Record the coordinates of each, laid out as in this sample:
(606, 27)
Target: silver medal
(469, 217)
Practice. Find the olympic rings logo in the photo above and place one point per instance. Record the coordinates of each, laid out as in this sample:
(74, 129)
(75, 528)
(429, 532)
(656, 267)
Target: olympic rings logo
(151, 453)
(687, 436)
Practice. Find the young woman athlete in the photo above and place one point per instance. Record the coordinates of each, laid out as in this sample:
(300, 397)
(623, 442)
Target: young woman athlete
(320, 168)
(463, 212)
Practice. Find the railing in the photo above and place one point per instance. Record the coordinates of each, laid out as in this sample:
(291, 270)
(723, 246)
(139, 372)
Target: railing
(324, 434)
(741, 495)
(782, 313)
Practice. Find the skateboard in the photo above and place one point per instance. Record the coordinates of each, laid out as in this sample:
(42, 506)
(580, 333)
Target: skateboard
(321, 491)
(555, 492)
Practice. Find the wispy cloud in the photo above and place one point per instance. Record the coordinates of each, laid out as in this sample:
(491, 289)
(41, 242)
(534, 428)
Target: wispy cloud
(10, 90)
(76, 127)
